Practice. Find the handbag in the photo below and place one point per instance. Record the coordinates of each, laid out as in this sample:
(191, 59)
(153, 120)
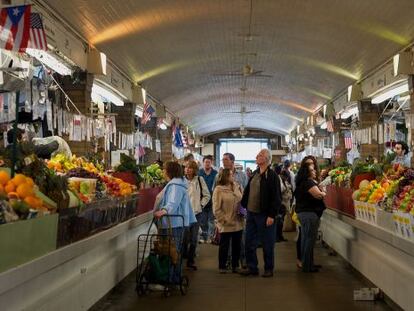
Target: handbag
(165, 245)
(216, 236)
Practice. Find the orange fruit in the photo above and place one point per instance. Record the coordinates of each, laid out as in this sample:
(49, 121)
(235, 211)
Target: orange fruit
(19, 179)
(4, 177)
(31, 200)
(29, 181)
(10, 187)
(24, 190)
(2, 191)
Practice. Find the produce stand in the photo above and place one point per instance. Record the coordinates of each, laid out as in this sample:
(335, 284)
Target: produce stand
(340, 199)
(78, 223)
(25, 240)
(148, 196)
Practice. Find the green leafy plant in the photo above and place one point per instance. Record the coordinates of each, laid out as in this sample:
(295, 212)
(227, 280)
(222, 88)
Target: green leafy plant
(129, 164)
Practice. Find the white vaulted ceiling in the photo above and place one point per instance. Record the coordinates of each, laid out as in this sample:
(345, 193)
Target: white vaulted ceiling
(175, 49)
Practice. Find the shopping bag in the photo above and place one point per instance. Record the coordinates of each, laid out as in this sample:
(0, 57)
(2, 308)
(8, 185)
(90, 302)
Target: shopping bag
(288, 224)
(165, 245)
(158, 268)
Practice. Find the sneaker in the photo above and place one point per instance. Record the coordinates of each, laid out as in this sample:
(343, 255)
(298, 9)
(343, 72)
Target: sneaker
(267, 274)
(156, 287)
(247, 272)
(208, 241)
(201, 241)
(192, 267)
(222, 271)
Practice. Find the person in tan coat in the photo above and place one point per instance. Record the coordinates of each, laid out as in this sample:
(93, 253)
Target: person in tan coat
(226, 202)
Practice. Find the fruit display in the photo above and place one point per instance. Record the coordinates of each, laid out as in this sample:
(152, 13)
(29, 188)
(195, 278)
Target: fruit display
(117, 187)
(341, 176)
(153, 174)
(62, 164)
(128, 164)
(372, 192)
(80, 173)
(19, 198)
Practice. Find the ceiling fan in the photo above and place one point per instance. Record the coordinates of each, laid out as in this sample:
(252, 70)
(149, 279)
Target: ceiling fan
(247, 72)
(243, 111)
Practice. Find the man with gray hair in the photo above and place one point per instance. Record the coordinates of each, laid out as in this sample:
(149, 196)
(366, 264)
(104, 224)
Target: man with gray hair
(263, 199)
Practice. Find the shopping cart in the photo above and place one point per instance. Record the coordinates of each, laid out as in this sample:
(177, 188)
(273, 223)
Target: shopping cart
(160, 258)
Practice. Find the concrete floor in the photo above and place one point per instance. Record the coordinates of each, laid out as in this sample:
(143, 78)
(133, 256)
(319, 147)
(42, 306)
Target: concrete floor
(330, 289)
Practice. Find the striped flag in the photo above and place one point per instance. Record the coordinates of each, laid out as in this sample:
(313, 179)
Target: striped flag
(37, 33)
(147, 113)
(348, 140)
(184, 138)
(329, 125)
(15, 28)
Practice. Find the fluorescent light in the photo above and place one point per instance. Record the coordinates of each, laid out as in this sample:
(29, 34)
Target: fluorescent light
(396, 62)
(50, 61)
(144, 95)
(107, 95)
(324, 126)
(349, 112)
(390, 91)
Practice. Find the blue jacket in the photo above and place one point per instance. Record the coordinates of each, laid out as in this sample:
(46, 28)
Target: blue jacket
(175, 201)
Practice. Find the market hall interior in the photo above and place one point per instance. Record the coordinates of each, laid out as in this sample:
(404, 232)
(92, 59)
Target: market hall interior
(97, 95)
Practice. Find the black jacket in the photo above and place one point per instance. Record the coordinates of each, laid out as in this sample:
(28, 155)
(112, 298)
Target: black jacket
(270, 195)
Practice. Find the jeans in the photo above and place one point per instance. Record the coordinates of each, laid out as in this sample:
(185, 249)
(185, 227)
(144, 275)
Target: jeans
(256, 229)
(176, 270)
(298, 245)
(224, 246)
(191, 240)
(279, 226)
(309, 222)
(207, 222)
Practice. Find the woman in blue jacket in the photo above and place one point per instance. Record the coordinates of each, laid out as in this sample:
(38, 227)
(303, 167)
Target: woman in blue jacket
(174, 200)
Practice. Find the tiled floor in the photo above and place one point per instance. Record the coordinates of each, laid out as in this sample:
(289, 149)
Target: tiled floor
(330, 289)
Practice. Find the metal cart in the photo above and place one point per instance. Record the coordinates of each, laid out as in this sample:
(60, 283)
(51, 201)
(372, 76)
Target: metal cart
(160, 257)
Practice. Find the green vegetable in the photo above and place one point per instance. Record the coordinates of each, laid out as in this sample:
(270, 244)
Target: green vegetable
(128, 164)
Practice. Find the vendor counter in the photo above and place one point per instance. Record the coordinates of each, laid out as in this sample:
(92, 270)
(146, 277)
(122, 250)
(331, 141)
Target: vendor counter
(384, 258)
(76, 276)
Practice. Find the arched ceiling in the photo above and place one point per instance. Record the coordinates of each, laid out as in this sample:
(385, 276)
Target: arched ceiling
(177, 50)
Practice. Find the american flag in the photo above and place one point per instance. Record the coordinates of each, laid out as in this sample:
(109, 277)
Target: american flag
(15, 28)
(348, 140)
(141, 151)
(184, 138)
(37, 33)
(147, 113)
(329, 125)
(178, 139)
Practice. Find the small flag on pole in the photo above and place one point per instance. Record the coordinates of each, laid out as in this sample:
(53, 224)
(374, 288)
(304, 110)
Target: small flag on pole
(37, 33)
(147, 113)
(348, 140)
(15, 28)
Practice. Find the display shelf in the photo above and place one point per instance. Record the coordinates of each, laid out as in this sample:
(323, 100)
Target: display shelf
(378, 253)
(340, 199)
(25, 240)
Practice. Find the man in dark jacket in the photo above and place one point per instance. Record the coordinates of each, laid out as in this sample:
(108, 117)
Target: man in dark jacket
(262, 198)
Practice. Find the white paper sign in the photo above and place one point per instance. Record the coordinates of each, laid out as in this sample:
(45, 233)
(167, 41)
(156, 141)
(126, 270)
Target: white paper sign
(158, 145)
(116, 157)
